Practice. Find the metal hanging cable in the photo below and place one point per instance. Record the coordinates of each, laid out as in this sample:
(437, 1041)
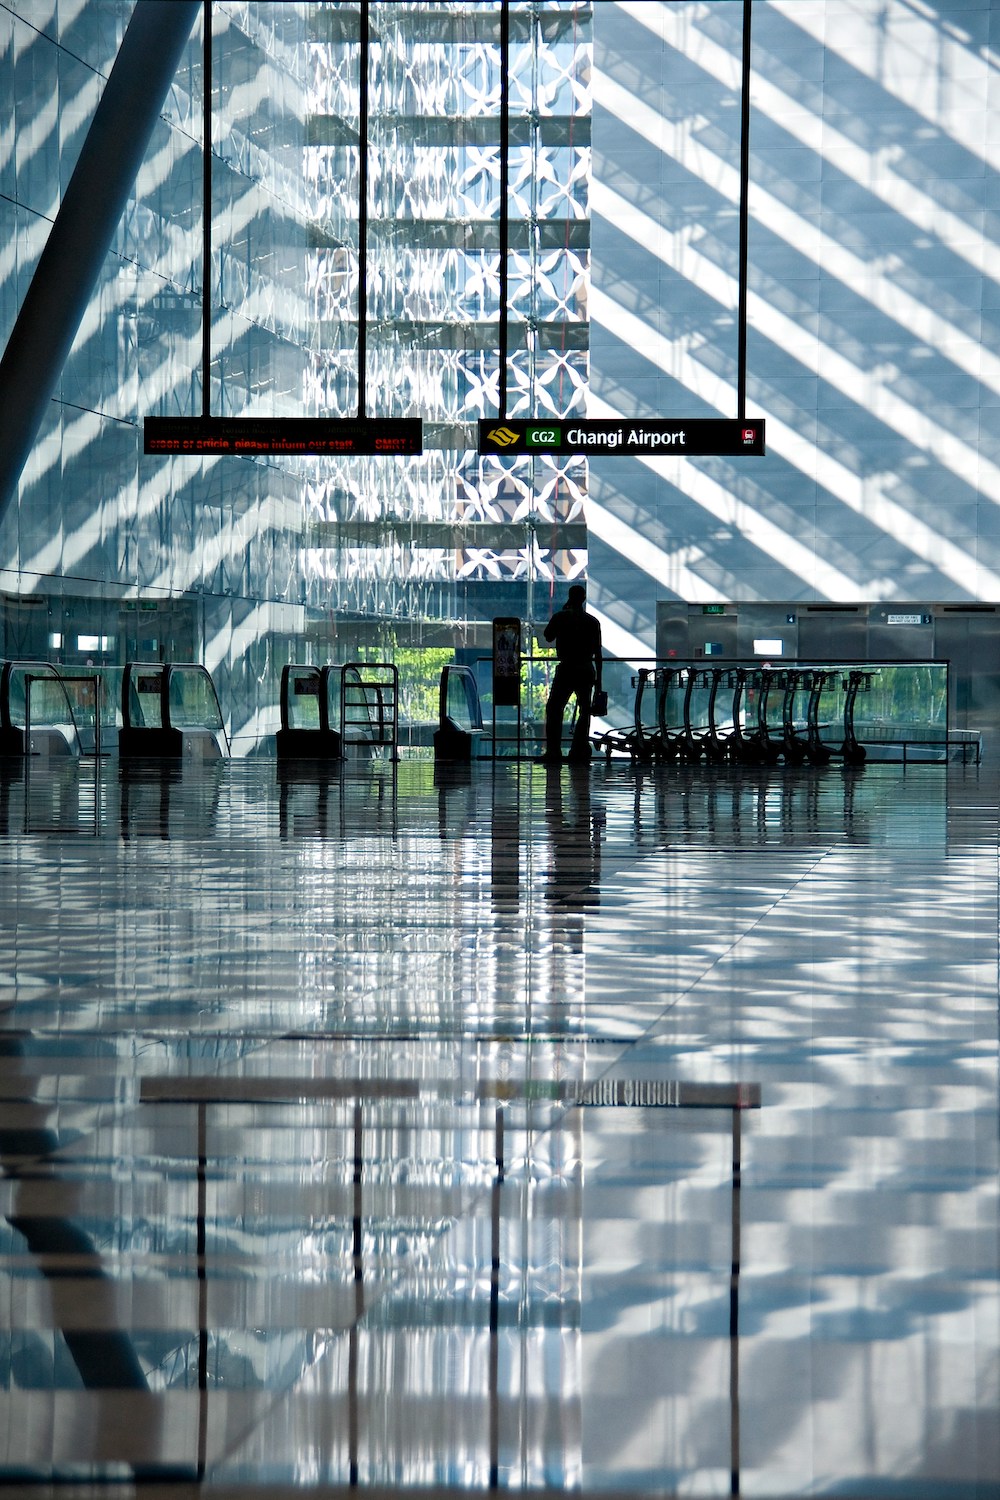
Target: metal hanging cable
(502, 332)
(741, 364)
(363, 102)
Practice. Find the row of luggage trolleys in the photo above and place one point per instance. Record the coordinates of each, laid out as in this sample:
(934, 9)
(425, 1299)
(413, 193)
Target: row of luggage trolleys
(748, 714)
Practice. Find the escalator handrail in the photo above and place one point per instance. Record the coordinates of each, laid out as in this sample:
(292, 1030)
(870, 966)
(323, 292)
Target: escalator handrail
(165, 670)
(44, 670)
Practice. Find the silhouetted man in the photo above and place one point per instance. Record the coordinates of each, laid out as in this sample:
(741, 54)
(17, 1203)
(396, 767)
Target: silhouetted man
(577, 639)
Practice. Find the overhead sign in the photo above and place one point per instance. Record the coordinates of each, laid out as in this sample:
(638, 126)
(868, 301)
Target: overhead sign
(246, 437)
(654, 437)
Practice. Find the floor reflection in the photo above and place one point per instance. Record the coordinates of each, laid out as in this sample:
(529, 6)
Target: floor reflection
(510, 1127)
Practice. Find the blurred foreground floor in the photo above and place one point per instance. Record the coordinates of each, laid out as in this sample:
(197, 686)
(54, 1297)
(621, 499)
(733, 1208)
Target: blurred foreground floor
(539, 1129)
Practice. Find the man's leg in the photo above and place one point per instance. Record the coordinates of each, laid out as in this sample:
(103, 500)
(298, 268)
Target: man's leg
(580, 746)
(559, 696)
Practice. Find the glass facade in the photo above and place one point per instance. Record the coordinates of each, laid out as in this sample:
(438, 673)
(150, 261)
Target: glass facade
(871, 297)
(451, 538)
(245, 564)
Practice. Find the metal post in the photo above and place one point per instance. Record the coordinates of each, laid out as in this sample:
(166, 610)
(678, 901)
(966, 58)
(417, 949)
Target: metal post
(201, 1255)
(734, 1313)
(206, 215)
(363, 209)
(741, 370)
(357, 1256)
(502, 333)
(495, 1248)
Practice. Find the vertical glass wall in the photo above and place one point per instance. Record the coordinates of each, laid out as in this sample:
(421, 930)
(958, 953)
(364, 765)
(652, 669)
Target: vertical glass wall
(451, 538)
(246, 564)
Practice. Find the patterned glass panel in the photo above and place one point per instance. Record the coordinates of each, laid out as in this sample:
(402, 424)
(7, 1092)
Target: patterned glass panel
(434, 283)
(243, 562)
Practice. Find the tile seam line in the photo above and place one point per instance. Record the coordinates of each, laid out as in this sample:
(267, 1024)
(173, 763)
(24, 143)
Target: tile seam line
(720, 958)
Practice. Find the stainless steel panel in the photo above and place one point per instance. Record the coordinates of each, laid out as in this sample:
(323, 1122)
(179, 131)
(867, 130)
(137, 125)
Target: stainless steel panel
(833, 633)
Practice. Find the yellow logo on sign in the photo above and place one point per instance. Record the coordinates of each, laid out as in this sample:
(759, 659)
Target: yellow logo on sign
(502, 436)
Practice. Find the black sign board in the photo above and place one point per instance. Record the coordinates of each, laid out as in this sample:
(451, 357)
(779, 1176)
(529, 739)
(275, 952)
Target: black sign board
(506, 661)
(245, 437)
(653, 437)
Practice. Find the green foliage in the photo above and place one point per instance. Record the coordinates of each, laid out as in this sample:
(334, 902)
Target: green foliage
(419, 669)
(910, 694)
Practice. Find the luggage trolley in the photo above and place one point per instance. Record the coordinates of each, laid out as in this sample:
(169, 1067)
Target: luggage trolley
(726, 692)
(369, 707)
(669, 736)
(752, 742)
(639, 739)
(699, 739)
(743, 744)
(817, 751)
(771, 744)
(851, 752)
(715, 746)
(794, 747)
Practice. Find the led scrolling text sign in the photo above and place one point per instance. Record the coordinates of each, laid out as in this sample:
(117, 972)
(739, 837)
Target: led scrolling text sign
(248, 437)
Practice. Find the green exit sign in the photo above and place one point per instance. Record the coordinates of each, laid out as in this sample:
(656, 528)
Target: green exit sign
(713, 609)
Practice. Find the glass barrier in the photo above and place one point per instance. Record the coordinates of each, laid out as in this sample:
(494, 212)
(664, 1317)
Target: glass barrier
(85, 693)
(903, 701)
(50, 706)
(192, 700)
(302, 688)
(310, 713)
(142, 696)
(34, 699)
(803, 711)
(461, 699)
(460, 714)
(170, 709)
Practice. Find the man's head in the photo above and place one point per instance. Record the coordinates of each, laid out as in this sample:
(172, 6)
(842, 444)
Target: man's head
(577, 596)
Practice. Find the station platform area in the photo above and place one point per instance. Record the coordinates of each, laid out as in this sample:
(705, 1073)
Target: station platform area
(622, 1130)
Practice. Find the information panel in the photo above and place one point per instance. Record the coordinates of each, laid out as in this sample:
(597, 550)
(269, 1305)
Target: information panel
(653, 437)
(247, 436)
(506, 661)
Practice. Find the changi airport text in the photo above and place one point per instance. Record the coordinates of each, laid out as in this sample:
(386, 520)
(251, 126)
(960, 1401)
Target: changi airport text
(633, 437)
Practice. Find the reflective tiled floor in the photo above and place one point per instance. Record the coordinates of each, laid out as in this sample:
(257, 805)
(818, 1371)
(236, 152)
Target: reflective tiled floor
(628, 1132)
